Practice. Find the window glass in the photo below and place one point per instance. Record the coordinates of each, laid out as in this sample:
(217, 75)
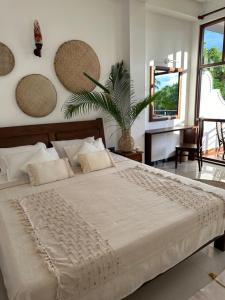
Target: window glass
(166, 103)
(213, 37)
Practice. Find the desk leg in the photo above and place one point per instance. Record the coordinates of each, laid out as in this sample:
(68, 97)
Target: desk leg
(176, 158)
(148, 149)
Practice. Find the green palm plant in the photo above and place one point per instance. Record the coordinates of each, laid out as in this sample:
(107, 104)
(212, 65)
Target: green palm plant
(116, 99)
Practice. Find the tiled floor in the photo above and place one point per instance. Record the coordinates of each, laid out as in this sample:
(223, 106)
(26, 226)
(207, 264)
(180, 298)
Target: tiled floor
(184, 280)
(190, 169)
(188, 277)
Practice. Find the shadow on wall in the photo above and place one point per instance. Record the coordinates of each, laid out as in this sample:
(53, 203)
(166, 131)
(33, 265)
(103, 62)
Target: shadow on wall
(212, 105)
(209, 136)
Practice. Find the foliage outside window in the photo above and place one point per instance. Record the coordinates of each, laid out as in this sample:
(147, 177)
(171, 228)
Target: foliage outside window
(212, 57)
(166, 82)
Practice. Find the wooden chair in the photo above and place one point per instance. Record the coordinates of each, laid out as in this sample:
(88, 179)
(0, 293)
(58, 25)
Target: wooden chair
(194, 150)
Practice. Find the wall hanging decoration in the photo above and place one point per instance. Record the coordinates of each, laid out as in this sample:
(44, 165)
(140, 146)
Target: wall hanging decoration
(7, 61)
(36, 95)
(37, 39)
(72, 59)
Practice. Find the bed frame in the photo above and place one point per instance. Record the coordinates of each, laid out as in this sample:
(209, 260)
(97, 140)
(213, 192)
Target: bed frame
(31, 134)
(45, 133)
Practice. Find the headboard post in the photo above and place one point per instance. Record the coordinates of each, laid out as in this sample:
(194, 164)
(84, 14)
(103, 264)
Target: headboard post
(101, 129)
(45, 133)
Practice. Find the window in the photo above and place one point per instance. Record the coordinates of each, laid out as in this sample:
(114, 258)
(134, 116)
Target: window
(166, 82)
(212, 48)
(211, 65)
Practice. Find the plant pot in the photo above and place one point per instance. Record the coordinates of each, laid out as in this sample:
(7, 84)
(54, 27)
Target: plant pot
(126, 142)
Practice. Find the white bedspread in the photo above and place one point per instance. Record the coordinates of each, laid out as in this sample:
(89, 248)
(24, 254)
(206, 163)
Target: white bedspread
(149, 232)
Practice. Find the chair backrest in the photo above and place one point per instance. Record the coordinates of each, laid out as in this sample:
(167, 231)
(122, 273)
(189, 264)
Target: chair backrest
(194, 135)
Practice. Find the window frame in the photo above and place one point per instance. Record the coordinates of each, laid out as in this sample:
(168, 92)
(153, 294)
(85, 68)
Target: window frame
(167, 70)
(202, 66)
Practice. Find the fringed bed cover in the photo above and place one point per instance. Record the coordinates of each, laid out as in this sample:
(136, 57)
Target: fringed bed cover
(191, 197)
(74, 251)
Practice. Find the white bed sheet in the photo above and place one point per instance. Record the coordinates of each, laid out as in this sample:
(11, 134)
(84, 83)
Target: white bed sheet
(148, 237)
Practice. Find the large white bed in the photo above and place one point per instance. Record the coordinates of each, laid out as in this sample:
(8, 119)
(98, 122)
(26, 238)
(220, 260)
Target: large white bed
(150, 219)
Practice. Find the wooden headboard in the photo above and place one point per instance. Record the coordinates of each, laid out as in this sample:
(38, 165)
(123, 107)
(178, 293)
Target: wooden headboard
(31, 134)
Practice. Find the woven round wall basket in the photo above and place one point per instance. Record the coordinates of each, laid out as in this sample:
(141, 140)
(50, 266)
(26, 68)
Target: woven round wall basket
(7, 61)
(72, 59)
(36, 95)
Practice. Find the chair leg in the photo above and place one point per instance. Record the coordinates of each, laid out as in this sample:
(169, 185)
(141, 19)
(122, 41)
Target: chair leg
(199, 161)
(199, 164)
(180, 156)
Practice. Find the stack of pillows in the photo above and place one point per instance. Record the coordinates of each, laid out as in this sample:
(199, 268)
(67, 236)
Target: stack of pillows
(43, 165)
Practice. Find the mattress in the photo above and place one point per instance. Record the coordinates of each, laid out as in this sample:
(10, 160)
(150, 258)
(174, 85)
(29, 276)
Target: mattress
(148, 231)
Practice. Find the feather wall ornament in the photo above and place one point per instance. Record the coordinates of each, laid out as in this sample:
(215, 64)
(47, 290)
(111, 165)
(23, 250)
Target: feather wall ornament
(37, 38)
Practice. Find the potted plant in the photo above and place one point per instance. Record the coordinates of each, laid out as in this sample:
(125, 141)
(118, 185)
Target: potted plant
(116, 99)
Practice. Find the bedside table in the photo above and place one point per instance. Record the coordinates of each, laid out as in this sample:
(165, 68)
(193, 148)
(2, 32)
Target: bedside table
(134, 155)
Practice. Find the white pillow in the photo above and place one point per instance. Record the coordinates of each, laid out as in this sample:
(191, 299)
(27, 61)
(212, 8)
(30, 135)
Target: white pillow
(74, 150)
(99, 144)
(59, 145)
(71, 151)
(49, 171)
(14, 162)
(7, 151)
(38, 157)
(53, 152)
(94, 161)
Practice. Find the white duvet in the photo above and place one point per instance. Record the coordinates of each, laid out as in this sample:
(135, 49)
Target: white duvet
(149, 232)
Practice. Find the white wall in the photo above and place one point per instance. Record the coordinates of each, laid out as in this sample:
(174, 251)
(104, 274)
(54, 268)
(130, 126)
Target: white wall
(116, 29)
(97, 22)
(168, 37)
(137, 64)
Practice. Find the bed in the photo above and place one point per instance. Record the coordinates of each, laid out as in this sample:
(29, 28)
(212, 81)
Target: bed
(144, 221)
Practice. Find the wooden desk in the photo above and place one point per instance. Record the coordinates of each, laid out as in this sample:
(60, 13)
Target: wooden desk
(150, 133)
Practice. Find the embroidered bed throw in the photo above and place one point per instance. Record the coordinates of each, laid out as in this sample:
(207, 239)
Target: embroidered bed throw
(74, 251)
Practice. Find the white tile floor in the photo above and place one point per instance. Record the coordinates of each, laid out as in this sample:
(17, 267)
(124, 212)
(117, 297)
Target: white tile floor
(190, 169)
(184, 280)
